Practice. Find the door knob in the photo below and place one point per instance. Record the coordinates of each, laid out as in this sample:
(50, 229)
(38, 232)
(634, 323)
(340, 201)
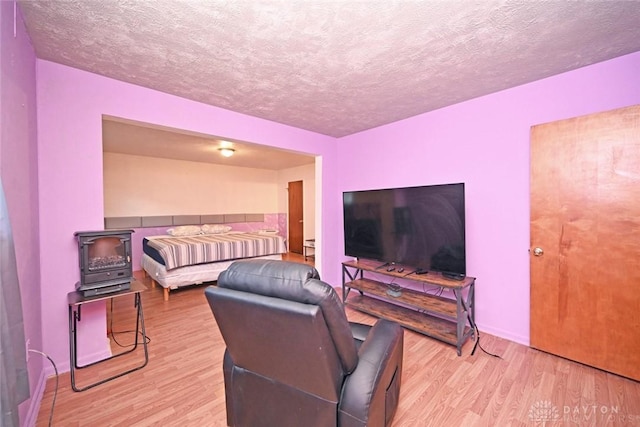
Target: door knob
(538, 251)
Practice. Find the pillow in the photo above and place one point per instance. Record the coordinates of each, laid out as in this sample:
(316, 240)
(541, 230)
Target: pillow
(215, 229)
(185, 230)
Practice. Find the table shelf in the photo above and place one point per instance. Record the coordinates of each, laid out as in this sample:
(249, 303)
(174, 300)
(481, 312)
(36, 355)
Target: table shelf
(450, 320)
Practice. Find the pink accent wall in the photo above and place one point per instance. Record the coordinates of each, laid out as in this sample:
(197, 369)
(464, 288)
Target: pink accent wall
(485, 144)
(71, 103)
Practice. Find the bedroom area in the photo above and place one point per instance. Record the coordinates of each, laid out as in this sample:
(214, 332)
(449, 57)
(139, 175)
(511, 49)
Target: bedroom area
(196, 202)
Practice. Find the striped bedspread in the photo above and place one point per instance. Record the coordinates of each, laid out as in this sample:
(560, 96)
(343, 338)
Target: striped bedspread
(183, 251)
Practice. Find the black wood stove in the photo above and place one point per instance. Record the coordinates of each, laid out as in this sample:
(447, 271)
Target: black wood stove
(105, 261)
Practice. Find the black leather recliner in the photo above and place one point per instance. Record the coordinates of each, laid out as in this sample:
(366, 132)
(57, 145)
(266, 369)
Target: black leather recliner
(293, 359)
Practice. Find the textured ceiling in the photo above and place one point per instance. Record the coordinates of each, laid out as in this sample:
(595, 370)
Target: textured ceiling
(333, 67)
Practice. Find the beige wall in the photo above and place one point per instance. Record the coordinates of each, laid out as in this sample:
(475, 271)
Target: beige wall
(306, 174)
(146, 186)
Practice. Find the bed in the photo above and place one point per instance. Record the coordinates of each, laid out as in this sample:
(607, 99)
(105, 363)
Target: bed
(176, 261)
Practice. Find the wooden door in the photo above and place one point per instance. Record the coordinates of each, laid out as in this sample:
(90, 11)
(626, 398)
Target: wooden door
(296, 218)
(585, 220)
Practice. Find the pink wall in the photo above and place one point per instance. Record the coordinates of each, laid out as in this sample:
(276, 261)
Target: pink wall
(485, 143)
(18, 165)
(71, 103)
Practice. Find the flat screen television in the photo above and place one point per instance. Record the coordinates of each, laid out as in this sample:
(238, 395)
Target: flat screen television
(420, 227)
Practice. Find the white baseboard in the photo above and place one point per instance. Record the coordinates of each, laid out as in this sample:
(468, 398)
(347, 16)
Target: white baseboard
(500, 333)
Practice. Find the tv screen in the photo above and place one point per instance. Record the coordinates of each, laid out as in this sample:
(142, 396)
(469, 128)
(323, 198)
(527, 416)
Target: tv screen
(421, 227)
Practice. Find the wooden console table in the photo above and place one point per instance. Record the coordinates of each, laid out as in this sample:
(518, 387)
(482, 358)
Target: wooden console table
(449, 320)
(76, 300)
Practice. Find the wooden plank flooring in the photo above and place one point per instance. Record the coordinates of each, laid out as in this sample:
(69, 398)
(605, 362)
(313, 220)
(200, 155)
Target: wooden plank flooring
(183, 386)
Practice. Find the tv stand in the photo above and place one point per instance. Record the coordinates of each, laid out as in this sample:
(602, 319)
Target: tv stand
(448, 320)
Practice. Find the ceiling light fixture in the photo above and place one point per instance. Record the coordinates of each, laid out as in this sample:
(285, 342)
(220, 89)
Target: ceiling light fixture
(227, 152)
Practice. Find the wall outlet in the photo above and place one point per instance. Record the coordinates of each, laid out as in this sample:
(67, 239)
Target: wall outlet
(27, 345)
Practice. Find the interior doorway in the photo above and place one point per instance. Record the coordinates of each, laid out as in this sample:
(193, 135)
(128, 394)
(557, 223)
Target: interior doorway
(585, 239)
(296, 216)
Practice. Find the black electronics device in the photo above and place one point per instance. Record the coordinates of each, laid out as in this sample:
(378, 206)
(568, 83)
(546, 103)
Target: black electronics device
(420, 227)
(453, 276)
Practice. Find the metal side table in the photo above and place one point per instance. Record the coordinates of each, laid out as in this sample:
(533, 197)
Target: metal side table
(76, 300)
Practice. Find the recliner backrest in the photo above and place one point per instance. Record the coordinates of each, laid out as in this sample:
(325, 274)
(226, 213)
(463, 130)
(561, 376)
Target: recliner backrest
(297, 283)
(286, 342)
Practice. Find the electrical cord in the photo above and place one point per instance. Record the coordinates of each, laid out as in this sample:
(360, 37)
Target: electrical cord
(113, 334)
(477, 334)
(437, 291)
(113, 337)
(55, 391)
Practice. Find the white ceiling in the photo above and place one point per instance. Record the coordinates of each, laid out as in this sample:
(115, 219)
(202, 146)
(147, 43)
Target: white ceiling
(331, 66)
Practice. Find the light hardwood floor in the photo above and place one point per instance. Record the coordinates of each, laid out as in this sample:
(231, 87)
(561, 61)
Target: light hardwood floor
(183, 386)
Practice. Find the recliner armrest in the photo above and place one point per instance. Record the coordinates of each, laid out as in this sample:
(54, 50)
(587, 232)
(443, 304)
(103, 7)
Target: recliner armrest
(370, 393)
